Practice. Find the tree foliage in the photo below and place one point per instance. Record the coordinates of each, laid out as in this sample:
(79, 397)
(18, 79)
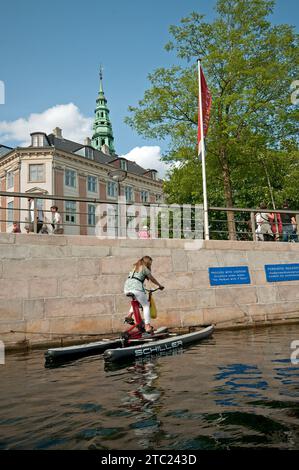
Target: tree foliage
(249, 65)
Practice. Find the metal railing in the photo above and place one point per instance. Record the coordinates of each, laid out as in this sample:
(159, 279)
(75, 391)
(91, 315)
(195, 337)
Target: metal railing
(119, 218)
(244, 223)
(123, 218)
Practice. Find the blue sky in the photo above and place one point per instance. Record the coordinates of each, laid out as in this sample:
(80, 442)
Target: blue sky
(50, 54)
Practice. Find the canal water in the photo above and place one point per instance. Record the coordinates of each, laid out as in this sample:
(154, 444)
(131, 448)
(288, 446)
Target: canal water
(238, 389)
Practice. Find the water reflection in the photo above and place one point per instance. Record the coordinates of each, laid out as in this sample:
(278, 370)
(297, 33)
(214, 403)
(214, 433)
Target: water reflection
(143, 397)
(237, 389)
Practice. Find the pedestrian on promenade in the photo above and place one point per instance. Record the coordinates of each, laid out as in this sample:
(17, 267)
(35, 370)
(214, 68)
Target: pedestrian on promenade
(144, 232)
(262, 218)
(56, 221)
(276, 225)
(40, 216)
(16, 227)
(289, 225)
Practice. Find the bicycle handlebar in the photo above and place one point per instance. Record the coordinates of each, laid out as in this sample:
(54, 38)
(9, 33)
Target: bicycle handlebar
(152, 290)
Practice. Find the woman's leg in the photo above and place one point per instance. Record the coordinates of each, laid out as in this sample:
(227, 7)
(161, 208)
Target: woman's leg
(142, 299)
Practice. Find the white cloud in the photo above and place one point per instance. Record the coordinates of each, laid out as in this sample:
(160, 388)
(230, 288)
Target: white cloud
(147, 157)
(74, 127)
(68, 117)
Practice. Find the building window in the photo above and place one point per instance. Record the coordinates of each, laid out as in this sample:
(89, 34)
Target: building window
(70, 212)
(123, 165)
(9, 179)
(154, 175)
(111, 189)
(158, 197)
(91, 214)
(92, 184)
(129, 193)
(70, 178)
(10, 212)
(144, 196)
(37, 173)
(89, 153)
(38, 140)
(111, 219)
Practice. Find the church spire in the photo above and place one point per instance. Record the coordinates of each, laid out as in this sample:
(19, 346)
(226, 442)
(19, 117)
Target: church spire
(101, 80)
(102, 128)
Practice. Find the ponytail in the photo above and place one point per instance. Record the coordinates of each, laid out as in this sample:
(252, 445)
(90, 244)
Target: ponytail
(144, 261)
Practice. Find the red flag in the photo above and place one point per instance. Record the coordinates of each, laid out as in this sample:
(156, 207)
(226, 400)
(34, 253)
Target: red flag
(205, 103)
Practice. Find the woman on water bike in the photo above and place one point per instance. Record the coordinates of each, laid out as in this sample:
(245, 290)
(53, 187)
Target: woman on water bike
(134, 284)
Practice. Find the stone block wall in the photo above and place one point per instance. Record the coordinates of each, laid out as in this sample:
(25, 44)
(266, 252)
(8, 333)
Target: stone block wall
(64, 287)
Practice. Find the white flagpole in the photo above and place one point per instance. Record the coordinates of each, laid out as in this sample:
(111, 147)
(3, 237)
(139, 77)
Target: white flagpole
(203, 161)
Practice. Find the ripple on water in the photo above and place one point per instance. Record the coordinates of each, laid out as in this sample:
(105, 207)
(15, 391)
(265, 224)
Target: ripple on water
(237, 389)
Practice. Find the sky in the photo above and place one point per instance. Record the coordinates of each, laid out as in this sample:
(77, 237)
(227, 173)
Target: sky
(50, 54)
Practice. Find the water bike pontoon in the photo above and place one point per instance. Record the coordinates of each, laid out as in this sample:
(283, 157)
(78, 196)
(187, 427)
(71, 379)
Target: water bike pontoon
(133, 343)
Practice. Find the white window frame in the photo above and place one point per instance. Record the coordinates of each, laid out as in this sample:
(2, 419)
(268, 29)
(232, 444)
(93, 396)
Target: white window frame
(70, 209)
(9, 179)
(131, 190)
(40, 176)
(144, 196)
(123, 165)
(91, 215)
(10, 212)
(38, 140)
(93, 184)
(89, 153)
(111, 184)
(70, 176)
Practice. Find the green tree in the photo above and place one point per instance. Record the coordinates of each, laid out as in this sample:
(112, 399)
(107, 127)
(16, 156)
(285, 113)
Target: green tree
(249, 64)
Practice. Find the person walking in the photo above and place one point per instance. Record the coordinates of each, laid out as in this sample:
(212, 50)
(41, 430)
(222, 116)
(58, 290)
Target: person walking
(262, 218)
(56, 221)
(289, 225)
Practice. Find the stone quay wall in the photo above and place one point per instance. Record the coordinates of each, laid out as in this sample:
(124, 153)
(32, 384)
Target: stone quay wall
(57, 289)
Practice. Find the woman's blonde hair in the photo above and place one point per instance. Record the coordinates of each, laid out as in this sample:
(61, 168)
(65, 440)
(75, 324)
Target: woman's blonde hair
(144, 261)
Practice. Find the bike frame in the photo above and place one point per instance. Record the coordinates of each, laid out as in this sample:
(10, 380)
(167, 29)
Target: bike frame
(136, 330)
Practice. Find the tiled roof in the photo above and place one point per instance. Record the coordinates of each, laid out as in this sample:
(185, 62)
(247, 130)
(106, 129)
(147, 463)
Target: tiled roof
(100, 157)
(72, 147)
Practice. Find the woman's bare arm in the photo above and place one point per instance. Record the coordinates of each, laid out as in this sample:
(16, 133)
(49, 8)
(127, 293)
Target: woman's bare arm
(151, 278)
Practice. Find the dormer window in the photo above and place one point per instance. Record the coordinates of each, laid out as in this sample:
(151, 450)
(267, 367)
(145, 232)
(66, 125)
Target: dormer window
(39, 139)
(85, 152)
(89, 153)
(123, 165)
(151, 173)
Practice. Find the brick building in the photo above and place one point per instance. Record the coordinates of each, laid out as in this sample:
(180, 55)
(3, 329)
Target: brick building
(57, 166)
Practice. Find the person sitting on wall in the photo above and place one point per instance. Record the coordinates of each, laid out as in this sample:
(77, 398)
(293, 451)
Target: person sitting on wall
(144, 232)
(289, 225)
(262, 218)
(16, 227)
(40, 216)
(276, 225)
(56, 221)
